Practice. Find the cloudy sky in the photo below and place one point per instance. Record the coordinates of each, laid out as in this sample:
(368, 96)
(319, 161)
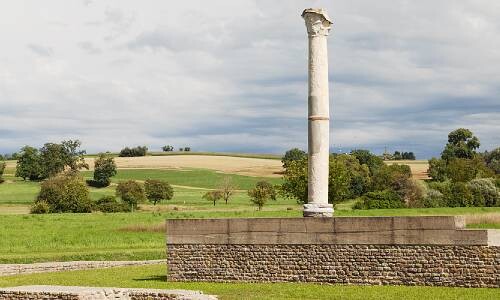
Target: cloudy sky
(232, 75)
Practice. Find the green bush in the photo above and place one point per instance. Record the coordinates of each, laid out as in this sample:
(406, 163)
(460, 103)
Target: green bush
(104, 169)
(434, 198)
(484, 192)
(492, 160)
(65, 193)
(131, 192)
(380, 200)
(40, 207)
(459, 195)
(109, 204)
(133, 152)
(261, 193)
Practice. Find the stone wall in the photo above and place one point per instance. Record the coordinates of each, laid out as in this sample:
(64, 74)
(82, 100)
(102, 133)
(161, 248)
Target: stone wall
(15, 269)
(463, 266)
(434, 251)
(80, 293)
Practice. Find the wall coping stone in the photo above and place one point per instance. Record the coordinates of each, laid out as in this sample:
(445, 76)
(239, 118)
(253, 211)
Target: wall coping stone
(421, 230)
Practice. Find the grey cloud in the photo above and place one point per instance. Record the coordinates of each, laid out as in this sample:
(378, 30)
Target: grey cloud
(89, 48)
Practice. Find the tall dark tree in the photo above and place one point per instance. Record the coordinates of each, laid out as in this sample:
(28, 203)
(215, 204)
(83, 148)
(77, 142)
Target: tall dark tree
(29, 165)
(294, 154)
(461, 144)
(104, 169)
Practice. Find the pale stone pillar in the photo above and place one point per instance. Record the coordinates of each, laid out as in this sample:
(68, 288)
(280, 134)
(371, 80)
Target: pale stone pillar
(318, 25)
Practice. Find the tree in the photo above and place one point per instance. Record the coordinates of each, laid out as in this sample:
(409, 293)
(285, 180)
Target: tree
(65, 192)
(294, 184)
(29, 165)
(294, 154)
(131, 192)
(366, 158)
(260, 194)
(397, 155)
(269, 187)
(134, 152)
(227, 188)
(464, 170)
(213, 196)
(461, 144)
(437, 169)
(187, 149)
(167, 148)
(408, 156)
(54, 158)
(2, 169)
(492, 160)
(158, 190)
(104, 169)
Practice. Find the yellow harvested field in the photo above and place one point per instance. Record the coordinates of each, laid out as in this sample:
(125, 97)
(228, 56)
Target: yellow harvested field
(418, 167)
(225, 164)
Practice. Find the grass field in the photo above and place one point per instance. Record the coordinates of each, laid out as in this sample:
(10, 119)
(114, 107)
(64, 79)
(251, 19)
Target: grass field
(97, 236)
(154, 276)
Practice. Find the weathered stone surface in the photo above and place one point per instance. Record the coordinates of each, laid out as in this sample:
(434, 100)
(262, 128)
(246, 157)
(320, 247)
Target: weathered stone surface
(318, 26)
(373, 250)
(461, 266)
(92, 293)
(445, 230)
(14, 269)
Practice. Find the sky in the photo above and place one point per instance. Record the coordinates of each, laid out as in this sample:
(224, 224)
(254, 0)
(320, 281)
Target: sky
(231, 76)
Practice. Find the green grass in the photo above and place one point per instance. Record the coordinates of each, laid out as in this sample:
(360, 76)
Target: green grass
(485, 226)
(97, 236)
(154, 276)
(18, 191)
(439, 211)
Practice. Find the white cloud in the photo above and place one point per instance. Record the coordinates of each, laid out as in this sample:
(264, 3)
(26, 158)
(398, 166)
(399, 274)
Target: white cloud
(231, 75)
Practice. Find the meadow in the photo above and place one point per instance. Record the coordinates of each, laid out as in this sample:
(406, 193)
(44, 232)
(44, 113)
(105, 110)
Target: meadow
(139, 235)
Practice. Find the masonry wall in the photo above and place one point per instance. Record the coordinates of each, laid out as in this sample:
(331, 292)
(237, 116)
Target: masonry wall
(463, 266)
(433, 251)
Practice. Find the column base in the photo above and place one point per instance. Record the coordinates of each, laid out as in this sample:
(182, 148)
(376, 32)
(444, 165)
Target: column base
(316, 210)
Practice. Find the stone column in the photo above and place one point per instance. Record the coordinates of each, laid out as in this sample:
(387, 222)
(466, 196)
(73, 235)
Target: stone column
(318, 26)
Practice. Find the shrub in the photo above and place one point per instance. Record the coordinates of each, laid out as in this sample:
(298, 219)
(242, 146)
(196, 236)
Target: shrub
(391, 177)
(380, 200)
(40, 207)
(158, 190)
(434, 198)
(271, 191)
(484, 192)
(437, 169)
(464, 170)
(134, 152)
(104, 169)
(131, 192)
(65, 193)
(109, 204)
(167, 148)
(459, 195)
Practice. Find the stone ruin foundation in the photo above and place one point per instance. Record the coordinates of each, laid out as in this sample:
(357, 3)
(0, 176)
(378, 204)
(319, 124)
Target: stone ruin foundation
(428, 251)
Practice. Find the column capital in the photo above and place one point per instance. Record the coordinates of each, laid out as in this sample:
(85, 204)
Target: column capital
(317, 21)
